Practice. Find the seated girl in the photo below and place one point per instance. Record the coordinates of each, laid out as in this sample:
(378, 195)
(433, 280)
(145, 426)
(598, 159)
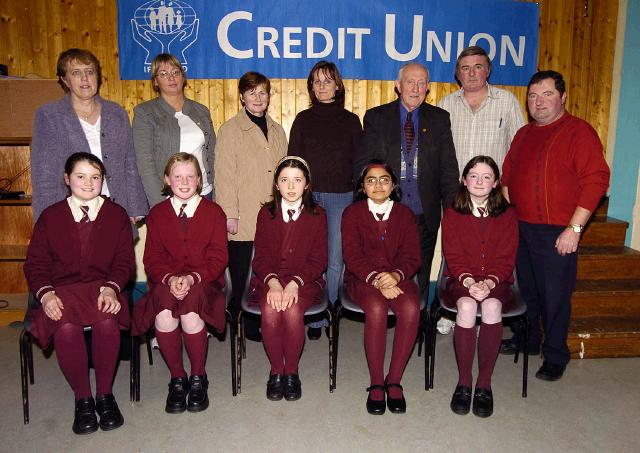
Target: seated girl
(479, 241)
(381, 249)
(289, 261)
(79, 260)
(185, 257)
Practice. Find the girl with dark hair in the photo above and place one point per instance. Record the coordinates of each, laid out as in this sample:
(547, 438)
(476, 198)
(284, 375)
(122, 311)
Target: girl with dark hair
(382, 254)
(185, 257)
(328, 136)
(290, 258)
(479, 241)
(79, 260)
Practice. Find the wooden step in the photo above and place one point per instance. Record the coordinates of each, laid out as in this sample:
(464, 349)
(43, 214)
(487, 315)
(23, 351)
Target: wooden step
(606, 298)
(12, 278)
(598, 338)
(597, 263)
(602, 209)
(12, 308)
(605, 232)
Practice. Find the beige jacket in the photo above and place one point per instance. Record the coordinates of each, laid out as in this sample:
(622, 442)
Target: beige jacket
(244, 165)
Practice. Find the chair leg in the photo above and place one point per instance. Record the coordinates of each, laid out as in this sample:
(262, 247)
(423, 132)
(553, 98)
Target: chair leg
(239, 352)
(149, 350)
(525, 365)
(332, 378)
(232, 346)
(336, 340)
(24, 374)
(132, 370)
(436, 312)
(424, 320)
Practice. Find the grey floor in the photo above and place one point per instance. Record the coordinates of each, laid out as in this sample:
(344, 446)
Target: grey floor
(594, 408)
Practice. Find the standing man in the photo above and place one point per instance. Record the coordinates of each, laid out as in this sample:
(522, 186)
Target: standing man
(415, 139)
(555, 175)
(484, 118)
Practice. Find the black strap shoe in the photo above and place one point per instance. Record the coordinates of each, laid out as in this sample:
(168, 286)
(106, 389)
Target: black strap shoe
(177, 397)
(292, 387)
(461, 400)
(198, 398)
(85, 420)
(395, 405)
(275, 387)
(109, 412)
(483, 402)
(376, 407)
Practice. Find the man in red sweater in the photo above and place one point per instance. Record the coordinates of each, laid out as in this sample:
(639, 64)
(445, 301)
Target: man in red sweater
(555, 175)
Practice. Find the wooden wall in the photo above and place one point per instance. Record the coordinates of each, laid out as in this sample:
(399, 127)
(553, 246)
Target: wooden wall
(576, 38)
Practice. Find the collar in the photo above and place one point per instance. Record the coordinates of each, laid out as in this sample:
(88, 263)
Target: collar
(285, 206)
(192, 205)
(404, 111)
(94, 207)
(383, 208)
(246, 123)
(475, 207)
(492, 92)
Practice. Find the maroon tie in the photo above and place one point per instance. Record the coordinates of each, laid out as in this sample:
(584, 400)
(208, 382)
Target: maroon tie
(481, 211)
(409, 134)
(291, 212)
(182, 214)
(85, 214)
(380, 217)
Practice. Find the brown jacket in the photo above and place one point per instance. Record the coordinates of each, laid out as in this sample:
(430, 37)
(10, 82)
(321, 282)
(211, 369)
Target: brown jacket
(244, 165)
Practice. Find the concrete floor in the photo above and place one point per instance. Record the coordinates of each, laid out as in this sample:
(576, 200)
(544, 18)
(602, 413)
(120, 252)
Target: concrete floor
(594, 408)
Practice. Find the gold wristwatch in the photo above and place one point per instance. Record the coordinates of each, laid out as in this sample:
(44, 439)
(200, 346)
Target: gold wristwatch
(576, 227)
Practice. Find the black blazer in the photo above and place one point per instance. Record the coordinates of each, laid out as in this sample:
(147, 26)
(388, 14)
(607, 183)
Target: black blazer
(438, 175)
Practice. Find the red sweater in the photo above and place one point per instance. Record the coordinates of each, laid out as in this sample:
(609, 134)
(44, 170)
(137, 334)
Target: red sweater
(367, 254)
(550, 170)
(54, 259)
(480, 251)
(202, 250)
(307, 254)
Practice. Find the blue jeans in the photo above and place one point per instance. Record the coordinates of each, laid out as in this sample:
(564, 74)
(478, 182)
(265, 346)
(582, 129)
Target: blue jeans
(333, 204)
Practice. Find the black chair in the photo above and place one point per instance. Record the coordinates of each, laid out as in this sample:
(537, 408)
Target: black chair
(253, 309)
(26, 361)
(517, 314)
(232, 344)
(345, 303)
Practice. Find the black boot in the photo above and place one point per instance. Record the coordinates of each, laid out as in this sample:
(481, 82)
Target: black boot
(177, 397)
(85, 420)
(198, 398)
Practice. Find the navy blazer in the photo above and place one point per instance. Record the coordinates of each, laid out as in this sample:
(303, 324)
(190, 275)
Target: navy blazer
(57, 133)
(438, 175)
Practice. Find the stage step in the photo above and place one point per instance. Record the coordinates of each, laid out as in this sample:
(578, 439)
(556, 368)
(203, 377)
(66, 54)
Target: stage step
(606, 298)
(599, 338)
(604, 232)
(597, 263)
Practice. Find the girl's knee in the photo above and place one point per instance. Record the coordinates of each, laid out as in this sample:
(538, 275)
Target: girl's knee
(191, 323)
(491, 311)
(165, 322)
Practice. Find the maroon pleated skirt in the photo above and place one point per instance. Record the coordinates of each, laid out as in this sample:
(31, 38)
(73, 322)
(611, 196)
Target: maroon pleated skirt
(80, 308)
(454, 290)
(207, 300)
(309, 295)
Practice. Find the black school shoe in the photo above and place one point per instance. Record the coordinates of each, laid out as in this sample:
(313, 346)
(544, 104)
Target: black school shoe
(376, 407)
(198, 398)
(314, 333)
(482, 402)
(177, 397)
(550, 371)
(275, 387)
(85, 420)
(292, 387)
(395, 405)
(109, 412)
(461, 400)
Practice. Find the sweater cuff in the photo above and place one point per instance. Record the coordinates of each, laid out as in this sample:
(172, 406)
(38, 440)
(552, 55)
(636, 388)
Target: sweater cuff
(113, 285)
(42, 291)
(495, 279)
(298, 280)
(371, 274)
(464, 275)
(269, 277)
(197, 278)
(165, 279)
(401, 274)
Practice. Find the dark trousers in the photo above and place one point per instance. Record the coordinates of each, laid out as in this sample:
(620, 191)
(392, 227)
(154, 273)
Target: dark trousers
(428, 240)
(546, 280)
(239, 263)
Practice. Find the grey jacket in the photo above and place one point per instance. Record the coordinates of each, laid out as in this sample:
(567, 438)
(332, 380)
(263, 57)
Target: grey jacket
(156, 135)
(57, 133)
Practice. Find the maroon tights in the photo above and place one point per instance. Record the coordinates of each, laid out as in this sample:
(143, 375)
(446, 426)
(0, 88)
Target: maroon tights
(171, 347)
(406, 308)
(72, 356)
(488, 347)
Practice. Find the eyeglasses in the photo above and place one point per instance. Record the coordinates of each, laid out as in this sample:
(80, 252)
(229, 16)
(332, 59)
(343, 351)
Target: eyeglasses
(372, 181)
(166, 74)
(78, 73)
(325, 82)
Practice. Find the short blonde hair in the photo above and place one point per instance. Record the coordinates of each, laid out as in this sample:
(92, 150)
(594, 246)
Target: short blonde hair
(168, 59)
(181, 158)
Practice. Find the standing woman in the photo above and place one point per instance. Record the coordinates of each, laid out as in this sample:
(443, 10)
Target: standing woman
(82, 121)
(168, 124)
(79, 260)
(290, 258)
(479, 241)
(382, 254)
(249, 147)
(327, 136)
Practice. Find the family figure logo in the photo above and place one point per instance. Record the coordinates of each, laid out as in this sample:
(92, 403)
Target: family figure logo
(164, 26)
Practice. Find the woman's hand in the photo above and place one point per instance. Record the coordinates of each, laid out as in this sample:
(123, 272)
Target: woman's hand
(290, 295)
(391, 293)
(108, 301)
(274, 295)
(52, 306)
(386, 280)
(232, 226)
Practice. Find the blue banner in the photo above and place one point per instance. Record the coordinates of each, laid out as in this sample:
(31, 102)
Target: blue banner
(369, 40)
